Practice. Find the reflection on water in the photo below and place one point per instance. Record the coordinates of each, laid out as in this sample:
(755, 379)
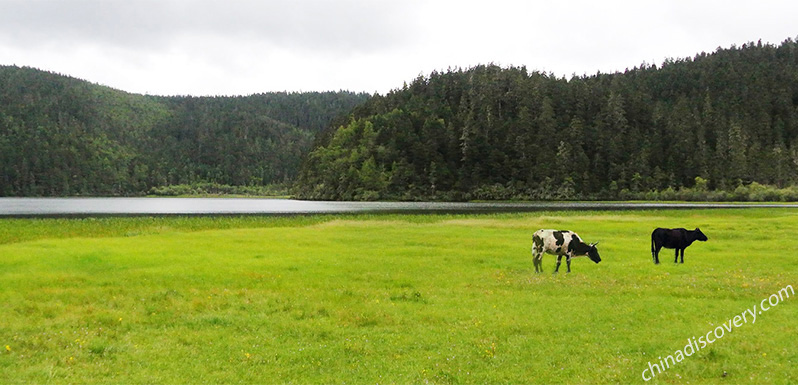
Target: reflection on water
(222, 206)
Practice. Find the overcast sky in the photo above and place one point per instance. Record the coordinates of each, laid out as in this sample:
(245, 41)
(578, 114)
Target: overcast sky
(241, 47)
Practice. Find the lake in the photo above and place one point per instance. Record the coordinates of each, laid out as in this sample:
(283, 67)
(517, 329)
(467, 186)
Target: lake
(31, 207)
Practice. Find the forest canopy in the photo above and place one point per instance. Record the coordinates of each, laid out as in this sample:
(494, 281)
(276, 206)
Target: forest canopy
(722, 123)
(61, 136)
(714, 122)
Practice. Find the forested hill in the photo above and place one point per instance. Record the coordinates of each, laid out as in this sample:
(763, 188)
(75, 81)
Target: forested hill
(728, 118)
(64, 136)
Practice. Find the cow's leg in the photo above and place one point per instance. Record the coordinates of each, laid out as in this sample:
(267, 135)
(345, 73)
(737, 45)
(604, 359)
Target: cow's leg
(540, 261)
(559, 260)
(676, 259)
(682, 256)
(537, 259)
(655, 254)
(568, 262)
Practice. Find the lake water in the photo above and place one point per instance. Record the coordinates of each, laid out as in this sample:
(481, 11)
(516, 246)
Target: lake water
(22, 207)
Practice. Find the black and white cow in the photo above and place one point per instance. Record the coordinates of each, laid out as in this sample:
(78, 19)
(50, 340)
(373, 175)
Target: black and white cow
(561, 243)
(677, 239)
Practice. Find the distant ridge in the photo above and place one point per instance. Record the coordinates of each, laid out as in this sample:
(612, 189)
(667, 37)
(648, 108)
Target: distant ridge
(62, 136)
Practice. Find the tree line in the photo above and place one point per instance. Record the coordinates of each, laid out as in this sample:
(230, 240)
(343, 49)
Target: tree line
(62, 136)
(715, 122)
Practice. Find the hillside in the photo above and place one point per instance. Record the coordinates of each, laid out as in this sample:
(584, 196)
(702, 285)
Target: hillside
(63, 136)
(715, 121)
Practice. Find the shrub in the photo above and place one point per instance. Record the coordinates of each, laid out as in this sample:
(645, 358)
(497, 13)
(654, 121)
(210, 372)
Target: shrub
(218, 189)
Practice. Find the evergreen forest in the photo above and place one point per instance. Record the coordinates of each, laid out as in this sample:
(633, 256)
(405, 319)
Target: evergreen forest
(716, 123)
(716, 126)
(61, 136)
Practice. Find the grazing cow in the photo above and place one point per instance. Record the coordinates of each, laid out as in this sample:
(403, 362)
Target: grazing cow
(677, 239)
(561, 243)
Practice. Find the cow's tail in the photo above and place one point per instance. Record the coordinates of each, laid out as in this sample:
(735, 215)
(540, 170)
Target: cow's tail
(652, 245)
(653, 248)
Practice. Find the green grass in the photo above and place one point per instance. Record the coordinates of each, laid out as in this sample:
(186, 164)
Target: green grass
(391, 299)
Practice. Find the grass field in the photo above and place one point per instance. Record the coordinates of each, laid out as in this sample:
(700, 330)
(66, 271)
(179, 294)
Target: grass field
(392, 299)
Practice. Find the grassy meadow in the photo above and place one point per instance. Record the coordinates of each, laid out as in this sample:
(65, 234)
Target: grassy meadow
(444, 299)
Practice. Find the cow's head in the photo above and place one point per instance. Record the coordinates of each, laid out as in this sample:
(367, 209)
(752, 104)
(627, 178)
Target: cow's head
(699, 235)
(593, 253)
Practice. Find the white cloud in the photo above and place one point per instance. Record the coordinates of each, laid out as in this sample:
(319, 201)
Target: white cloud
(240, 47)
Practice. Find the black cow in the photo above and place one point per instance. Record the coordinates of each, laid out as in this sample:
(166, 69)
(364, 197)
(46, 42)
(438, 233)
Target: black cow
(677, 239)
